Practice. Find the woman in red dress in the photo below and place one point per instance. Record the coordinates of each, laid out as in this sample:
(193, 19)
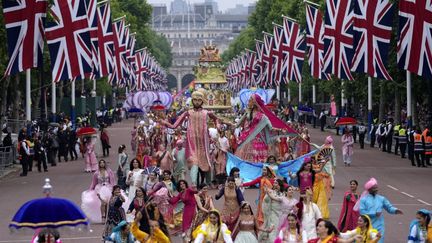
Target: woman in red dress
(348, 217)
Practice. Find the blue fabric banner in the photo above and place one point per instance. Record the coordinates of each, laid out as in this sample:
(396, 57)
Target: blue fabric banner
(250, 171)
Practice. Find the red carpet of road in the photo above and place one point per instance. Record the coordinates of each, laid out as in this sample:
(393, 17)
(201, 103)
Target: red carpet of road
(407, 187)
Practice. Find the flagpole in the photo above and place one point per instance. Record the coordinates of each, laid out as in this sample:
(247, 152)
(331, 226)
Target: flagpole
(313, 94)
(409, 104)
(311, 3)
(278, 92)
(300, 93)
(342, 101)
(53, 102)
(289, 94)
(28, 94)
(370, 118)
(73, 103)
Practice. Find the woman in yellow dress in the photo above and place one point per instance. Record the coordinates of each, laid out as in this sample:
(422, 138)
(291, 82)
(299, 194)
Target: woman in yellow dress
(156, 235)
(321, 189)
(364, 229)
(212, 230)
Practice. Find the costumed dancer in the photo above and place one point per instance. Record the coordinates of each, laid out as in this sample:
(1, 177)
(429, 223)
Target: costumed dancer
(139, 202)
(152, 179)
(204, 204)
(266, 180)
(330, 166)
(179, 157)
(122, 168)
(164, 159)
(372, 205)
(161, 193)
(348, 217)
(288, 204)
(46, 235)
(257, 123)
(420, 230)
(291, 231)
(135, 178)
(140, 141)
(198, 141)
(347, 147)
(327, 233)
(90, 155)
(221, 157)
(321, 188)
(121, 234)
(156, 235)
(116, 213)
(272, 210)
(364, 228)
(235, 173)
(305, 176)
(246, 228)
(308, 212)
(212, 230)
(98, 194)
(187, 196)
(233, 199)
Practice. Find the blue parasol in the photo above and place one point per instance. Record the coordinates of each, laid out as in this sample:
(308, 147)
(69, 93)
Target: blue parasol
(48, 212)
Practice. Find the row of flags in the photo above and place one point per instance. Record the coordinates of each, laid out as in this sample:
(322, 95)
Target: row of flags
(83, 42)
(354, 37)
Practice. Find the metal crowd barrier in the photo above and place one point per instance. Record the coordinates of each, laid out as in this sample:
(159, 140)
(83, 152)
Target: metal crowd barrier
(8, 157)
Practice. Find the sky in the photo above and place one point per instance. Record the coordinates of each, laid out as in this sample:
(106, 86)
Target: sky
(222, 4)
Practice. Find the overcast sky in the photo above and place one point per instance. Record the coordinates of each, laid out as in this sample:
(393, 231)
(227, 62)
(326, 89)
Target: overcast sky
(222, 4)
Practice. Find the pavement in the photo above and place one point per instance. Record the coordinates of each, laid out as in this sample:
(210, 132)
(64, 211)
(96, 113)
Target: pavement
(407, 187)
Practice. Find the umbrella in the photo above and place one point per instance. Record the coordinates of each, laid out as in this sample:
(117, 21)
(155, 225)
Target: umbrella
(48, 212)
(86, 131)
(346, 121)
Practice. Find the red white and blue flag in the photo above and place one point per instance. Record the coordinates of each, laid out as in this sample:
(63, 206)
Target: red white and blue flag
(294, 49)
(415, 37)
(91, 6)
(121, 65)
(68, 40)
(105, 39)
(141, 68)
(279, 54)
(315, 42)
(268, 60)
(259, 66)
(338, 38)
(24, 21)
(372, 33)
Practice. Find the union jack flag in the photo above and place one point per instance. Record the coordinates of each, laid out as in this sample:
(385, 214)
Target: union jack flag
(279, 54)
(141, 68)
(338, 38)
(295, 49)
(68, 40)
(251, 62)
(121, 67)
(259, 66)
(415, 38)
(24, 21)
(105, 39)
(315, 42)
(130, 55)
(91, 7)
(372, 33)
(268, 59)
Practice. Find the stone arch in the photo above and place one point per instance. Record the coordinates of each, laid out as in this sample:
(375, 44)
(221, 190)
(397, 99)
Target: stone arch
(187, 79)
(172, 81)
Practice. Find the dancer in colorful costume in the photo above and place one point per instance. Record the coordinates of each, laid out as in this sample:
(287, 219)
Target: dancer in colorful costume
(348, 217)
(364, 228)
(212, 230)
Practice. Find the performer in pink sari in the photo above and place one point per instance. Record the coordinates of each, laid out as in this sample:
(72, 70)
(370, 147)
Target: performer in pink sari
(90, 156)
(257, 124)
(348, 216)
(197, 137)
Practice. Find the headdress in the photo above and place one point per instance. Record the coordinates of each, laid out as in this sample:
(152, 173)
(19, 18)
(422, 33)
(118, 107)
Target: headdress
(198, 95)
(368, 185)
(328, 140)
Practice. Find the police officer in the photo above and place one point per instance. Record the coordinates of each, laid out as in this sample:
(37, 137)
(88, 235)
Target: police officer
(372, 133)
(362, 132)
(389, 136)
(396, 137)
(403, 139)
(419, 148)
(428, 145)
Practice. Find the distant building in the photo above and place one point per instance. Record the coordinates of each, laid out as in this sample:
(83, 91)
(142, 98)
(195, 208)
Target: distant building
(159, 10)
(251, 9)
(179, 7)
(238, 9)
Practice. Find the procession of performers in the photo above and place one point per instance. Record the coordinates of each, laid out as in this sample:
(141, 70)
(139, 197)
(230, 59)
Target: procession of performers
(152, 192)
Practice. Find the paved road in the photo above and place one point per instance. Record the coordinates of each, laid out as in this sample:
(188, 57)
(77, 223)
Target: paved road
(407, 187)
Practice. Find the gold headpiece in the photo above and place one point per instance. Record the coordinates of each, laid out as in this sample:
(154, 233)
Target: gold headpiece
(198, 95)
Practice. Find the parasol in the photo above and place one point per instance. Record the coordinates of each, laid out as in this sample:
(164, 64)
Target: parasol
(48, 212)
(85, 131)
(342, 121)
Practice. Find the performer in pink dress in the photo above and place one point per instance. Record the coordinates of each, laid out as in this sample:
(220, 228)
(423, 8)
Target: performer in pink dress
(90, 156)
(257, 124)
(197, 138)
(186, 195)
(348, 217)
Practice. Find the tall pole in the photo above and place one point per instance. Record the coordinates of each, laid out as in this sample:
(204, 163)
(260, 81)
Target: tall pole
(28, 95)
(300, 93)
(409, 104)
(73, 103)
(289, 94)
(342, 101)
(313, 94)
(53, 101)
(278, 92)
(370, 118)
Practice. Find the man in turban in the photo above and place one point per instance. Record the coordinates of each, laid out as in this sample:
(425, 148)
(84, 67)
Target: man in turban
(373, 204)
(197, 142)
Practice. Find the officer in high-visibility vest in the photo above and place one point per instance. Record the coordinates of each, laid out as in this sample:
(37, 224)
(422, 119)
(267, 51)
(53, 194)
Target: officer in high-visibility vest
(419, 148)
(411, 145)
(428, 146)
(396, 137)
(403, 139)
